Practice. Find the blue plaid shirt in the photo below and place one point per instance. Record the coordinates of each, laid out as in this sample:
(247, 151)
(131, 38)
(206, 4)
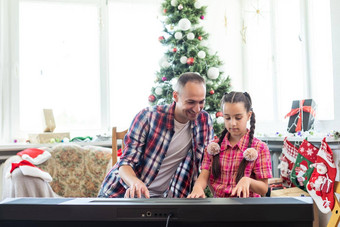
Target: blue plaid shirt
(147, 142)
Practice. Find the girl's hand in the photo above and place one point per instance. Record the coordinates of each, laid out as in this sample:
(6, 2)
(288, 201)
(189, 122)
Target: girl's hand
(242, 188)
(197, 192)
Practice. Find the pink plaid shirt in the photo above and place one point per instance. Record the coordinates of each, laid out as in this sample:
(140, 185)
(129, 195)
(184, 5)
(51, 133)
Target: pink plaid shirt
(230, 159)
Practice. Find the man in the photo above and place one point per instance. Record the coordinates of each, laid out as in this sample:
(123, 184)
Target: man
(164, 146)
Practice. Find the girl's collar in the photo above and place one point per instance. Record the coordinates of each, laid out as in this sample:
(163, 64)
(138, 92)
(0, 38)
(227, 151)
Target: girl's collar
(242, 144)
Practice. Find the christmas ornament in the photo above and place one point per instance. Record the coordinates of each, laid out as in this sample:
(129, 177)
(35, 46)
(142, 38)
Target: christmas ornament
(302, 170)
(180, 7)
(164, 11)
(183, 59)
(287, 158)
(219, 114)
(178, 35)
(190, 36)
(161, 61)
(65, 140)
(212, 92)
(184, 24)
(197, 5)
(165, 64)
(174, 50)
(164, 78)
(201, 54)
(174, 3)
(199, 38)
(213, 73)
(190, 61)
(202, 17)
(161, 38)
(321, 184)
(158, 91)
(204, 43)
(173, 82)
(220, 120)
(151, 98)
(211, 51)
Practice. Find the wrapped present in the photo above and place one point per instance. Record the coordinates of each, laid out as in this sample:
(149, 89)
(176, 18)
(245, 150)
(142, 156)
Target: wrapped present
(301, 117)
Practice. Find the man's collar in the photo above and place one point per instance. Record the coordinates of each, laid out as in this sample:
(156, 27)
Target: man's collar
(170, 124)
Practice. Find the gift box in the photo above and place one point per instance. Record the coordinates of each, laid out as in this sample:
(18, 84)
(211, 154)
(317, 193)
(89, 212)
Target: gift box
(301, 117)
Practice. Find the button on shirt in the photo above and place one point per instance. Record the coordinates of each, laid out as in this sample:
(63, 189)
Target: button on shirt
(147, 143)
(230, 159)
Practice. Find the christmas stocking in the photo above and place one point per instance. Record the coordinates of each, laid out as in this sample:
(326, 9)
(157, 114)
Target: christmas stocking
(287, 158)
(302, 170)
(321, 183)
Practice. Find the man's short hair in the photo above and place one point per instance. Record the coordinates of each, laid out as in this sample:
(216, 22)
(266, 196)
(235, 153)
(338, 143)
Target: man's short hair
(188, 77)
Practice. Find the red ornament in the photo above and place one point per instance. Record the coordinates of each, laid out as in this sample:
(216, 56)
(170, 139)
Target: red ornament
(152, 98)
(161, 38)
(174, 50)
(202, 17)
(212, 92)
(219, 114)
(164, 11)
(190, 61)
(199, 38)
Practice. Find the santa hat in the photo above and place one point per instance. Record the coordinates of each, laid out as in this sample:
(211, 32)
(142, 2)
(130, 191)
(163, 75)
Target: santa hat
(34, 155)
(28, 169)
(304, 164)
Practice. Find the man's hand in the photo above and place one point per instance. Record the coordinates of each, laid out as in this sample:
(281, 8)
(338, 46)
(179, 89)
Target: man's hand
(242, 188)
(137, 189)
(197, 192)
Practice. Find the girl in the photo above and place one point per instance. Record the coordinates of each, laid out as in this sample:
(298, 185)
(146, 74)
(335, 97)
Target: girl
(238, 164)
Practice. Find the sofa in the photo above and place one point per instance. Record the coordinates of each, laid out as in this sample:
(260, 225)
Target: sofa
(76, 171)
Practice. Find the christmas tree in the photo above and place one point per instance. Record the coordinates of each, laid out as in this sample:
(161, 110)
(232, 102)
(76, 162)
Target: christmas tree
(187, 51)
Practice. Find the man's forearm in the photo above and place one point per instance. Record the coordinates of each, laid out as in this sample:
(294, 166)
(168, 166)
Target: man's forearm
(128, 175)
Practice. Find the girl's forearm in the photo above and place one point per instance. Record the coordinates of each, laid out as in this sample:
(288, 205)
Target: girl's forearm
(259, 186)
(202, 180)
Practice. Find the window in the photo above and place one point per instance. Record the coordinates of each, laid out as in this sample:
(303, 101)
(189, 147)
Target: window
(134, 28)
(287, 56)
(94, 61)
(59, 64)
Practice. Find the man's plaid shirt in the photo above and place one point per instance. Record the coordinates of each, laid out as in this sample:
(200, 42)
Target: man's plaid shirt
(147, 142)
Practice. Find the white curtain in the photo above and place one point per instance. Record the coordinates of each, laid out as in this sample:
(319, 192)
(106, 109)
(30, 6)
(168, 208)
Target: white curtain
(4, 73)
